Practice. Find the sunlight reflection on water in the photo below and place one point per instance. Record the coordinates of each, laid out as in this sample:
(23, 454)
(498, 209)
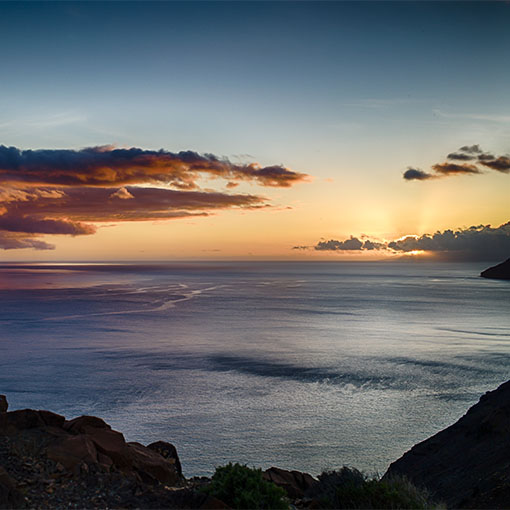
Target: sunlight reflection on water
(305, 366)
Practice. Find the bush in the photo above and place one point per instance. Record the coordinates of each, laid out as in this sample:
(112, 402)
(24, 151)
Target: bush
(242, 487)
(350, 488)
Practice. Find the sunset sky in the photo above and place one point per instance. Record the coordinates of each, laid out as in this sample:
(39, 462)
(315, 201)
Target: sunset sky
(286, 130)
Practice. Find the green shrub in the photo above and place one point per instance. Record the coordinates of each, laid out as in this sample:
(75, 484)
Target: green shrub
(350, 488)
(242, 487)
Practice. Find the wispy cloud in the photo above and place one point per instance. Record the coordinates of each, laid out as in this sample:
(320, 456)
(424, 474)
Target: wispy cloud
(375, 103)
(59, 119)
(474, 116)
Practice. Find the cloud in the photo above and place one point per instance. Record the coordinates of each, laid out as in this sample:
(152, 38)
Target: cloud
(471, 149)
(353, 243)
(454, 168)
(122, 193)
(373, 245)
(10, 242)
(486, 157)
(74, 210)
(66, 192)
(109, 166)
(473, 116)
(471, 153)
(479, 242)
(30, 224)
(501, 164)
(415, 174)
(459, 156)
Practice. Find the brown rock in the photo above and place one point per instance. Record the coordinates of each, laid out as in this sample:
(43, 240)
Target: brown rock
(72, 451)
(295, 483)
(10, 497)
(112, 444)
(52, 419)
(169, 452)
(148, 462)
(85, 425)
(14, 421)
(3, 404)
(104, 461)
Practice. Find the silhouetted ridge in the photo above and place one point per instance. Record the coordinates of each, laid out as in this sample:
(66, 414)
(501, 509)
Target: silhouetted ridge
(500, 272)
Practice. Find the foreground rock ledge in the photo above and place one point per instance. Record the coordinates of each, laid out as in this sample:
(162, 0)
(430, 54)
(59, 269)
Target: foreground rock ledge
(466, 465)
(47, 461)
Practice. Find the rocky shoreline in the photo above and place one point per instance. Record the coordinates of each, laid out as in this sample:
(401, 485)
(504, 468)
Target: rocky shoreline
(49, 462)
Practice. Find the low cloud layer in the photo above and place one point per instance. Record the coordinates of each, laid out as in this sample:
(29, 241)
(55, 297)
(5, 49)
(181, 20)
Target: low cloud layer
(468, 160)
(351, 244)
(66, 192)
(480, 242)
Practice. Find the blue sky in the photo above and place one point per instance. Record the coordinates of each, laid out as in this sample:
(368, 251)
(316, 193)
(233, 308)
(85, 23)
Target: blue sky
(348, 92)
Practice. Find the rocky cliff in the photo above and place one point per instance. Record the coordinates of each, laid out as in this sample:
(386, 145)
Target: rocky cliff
(500, 272)
(466, 465)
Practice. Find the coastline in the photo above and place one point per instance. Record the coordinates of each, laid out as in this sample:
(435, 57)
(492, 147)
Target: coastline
(48, 461)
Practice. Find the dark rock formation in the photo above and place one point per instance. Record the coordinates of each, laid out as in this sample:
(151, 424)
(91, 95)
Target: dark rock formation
(84, 463)
(500, 272)
(3, 404)
(466, 465)
(169, 452)
(295, 483)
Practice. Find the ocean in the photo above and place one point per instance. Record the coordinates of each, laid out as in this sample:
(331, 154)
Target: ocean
(300, 365)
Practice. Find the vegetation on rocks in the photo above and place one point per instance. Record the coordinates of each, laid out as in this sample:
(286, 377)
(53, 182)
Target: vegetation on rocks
(242, 487)
(350, 488)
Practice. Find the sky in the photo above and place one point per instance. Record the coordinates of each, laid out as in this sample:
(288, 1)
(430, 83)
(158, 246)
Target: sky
(254, 130)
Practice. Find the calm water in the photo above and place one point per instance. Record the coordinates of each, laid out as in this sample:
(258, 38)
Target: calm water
(301, 365)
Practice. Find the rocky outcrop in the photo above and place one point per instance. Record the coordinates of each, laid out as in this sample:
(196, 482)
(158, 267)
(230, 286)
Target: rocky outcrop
(467, 465)
(169, 452)
(88, 440)
(499, 272)
(3, 404)
(56, 461)
(295, 483)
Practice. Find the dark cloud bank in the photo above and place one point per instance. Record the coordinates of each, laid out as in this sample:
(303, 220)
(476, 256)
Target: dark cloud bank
(468, 160)
(481, 242)
(66, 191)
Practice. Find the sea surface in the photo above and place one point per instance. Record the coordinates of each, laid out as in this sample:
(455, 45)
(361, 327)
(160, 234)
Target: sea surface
(307, 366)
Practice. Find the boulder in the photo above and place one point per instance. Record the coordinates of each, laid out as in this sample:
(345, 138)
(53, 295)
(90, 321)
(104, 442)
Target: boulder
(4, 405)
(467, 464)
(169, 452)
(15, 421)
(500, 272)
(52, 419)
(295, 483)
(85, 425)
(72, 451)
(112, 444)
(149, 464)
(10, 497)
